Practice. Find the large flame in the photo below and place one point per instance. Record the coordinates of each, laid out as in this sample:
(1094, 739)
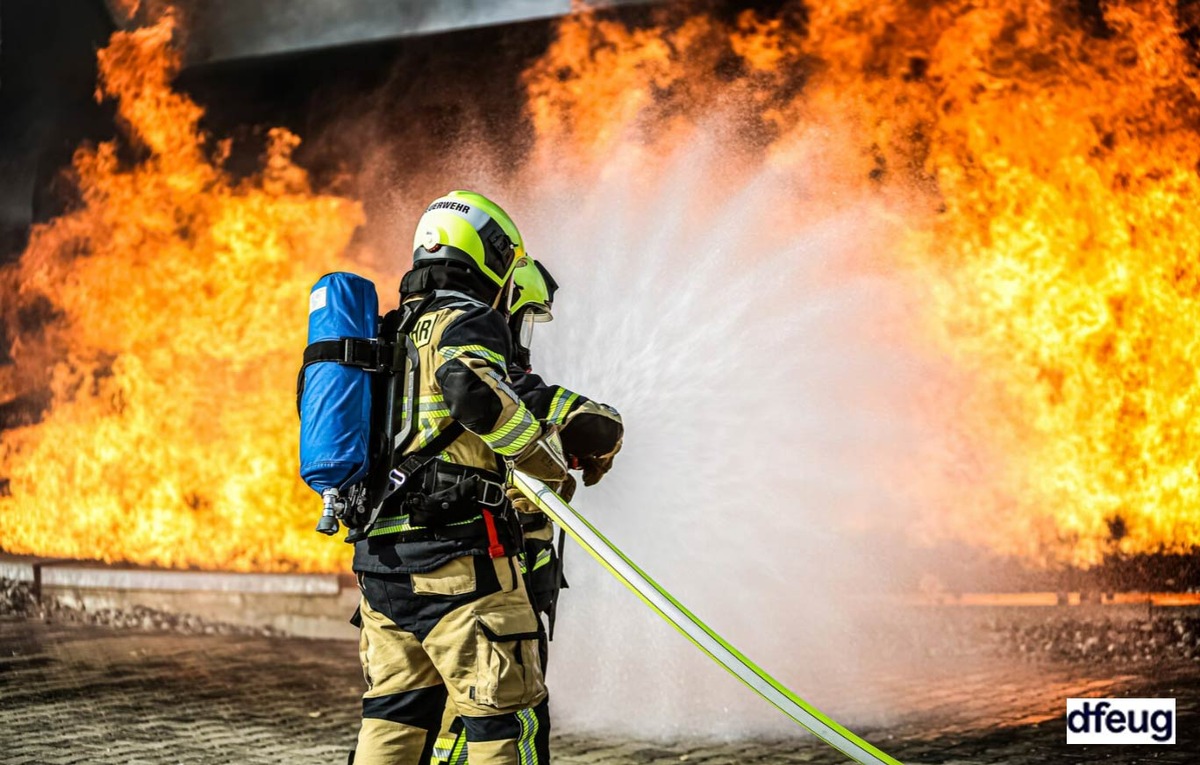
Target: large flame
(1063, 271)
(1057, 153)
(177, 299)
(1038, 158)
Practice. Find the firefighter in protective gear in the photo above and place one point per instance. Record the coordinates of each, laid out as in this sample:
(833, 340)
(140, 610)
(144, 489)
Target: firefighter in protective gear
(594, 431)
(591, 433)
(445, 615)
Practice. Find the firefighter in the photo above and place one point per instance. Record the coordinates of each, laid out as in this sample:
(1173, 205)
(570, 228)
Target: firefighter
(594, 432)
(444, 613)
(591, 433)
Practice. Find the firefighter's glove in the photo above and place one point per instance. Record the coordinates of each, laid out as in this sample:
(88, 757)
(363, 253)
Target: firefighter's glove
(592, 435)
(543, 458)
(520, 502)
(523, 504)
(566, 489)
(594, 469)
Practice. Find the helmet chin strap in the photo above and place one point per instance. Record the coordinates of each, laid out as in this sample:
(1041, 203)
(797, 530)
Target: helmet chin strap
(505, 289)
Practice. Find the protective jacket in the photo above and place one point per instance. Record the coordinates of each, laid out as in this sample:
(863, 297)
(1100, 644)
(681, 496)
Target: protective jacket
(548, 403)
(457, 506)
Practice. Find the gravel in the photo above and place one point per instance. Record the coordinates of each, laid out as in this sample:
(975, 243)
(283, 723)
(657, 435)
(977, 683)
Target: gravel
(17, 599)
(1142, 641)
(1117, 642)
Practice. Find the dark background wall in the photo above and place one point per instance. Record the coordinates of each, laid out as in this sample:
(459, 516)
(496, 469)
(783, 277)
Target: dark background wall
(47, 107)
(324, 68)
(227, 29)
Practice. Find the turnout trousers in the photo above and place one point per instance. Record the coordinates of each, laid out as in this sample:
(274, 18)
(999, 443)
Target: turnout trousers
(543, 569)
(464, 634)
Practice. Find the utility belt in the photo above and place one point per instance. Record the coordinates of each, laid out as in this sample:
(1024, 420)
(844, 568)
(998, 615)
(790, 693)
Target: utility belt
(449, 501)
(449, 493)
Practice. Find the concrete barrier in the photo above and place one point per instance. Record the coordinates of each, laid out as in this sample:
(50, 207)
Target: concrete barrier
(320, 605)
(302, 605)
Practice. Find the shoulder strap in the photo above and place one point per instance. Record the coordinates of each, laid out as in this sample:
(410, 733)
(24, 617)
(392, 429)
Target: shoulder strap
(405, 367)
(413, 311)
(454, 429)
(413, 464)
(437, 445)
(406, 358)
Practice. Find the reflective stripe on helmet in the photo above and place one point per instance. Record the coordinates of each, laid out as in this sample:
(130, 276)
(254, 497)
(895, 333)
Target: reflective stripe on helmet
(470, 229)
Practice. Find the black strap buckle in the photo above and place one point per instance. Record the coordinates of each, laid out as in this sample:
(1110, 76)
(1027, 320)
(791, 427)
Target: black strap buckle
(501, 241)
(357, 352)
(370, 355)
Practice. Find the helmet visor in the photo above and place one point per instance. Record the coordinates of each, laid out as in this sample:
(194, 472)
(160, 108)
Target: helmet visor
(529, 317)
(527, 324)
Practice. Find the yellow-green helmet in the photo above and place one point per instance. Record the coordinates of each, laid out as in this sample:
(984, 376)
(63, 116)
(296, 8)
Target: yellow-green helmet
(530, 298)
(532, 287)
(468, 228)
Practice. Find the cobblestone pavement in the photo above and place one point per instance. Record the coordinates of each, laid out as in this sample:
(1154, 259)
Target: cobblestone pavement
(87, 694)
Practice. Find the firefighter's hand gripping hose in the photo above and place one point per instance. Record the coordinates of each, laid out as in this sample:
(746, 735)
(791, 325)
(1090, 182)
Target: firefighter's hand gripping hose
(653, 595)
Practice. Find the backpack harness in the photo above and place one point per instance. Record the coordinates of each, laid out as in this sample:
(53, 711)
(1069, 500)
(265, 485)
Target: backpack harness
(424, 497)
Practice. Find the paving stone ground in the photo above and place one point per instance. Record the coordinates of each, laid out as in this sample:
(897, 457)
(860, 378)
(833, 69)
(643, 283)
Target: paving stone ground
(74, 693)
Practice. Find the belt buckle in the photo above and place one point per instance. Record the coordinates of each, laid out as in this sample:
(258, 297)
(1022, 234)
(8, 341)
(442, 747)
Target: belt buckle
(488, 487)
(396, 479)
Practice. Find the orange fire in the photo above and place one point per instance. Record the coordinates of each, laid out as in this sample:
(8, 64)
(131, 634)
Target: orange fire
(1042, 159)
(178, 300)
(1062, 274)
(1057, 154)
(127, 8)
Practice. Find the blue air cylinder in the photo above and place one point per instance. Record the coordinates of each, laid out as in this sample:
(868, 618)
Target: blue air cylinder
(335, 405)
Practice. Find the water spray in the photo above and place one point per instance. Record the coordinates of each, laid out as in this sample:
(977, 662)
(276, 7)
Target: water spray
(690, 626)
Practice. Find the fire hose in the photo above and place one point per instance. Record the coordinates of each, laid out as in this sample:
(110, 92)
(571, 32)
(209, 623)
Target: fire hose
(699, 633)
